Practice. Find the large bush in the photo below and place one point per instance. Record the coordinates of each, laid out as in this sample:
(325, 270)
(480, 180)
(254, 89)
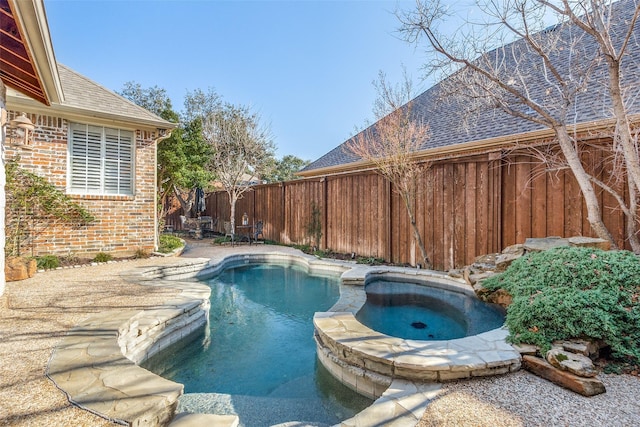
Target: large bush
(168, 243)
(575, 292)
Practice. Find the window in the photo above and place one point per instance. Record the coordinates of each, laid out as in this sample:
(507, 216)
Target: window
(100, 160)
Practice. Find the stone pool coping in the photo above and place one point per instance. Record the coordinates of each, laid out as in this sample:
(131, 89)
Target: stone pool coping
(96, 363)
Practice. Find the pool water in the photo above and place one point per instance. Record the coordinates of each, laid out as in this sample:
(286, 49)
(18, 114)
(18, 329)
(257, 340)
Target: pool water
(418, 312)
(260, 343)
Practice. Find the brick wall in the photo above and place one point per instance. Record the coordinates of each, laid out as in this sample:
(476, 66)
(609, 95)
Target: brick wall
(123, 224)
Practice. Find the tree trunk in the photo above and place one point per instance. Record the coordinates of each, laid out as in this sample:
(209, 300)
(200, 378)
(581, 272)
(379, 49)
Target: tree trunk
(416, 233)
(232, 202)
(187, 204)
(632, 218)
(623, 129)
(594, 214)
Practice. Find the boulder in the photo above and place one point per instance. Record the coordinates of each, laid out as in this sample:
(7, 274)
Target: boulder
(528, 349)
(500, 296)
(503, 261)
(544, 243)
(590, 242)
(479, 277)
(517, 249)
(19, 268)
(588, 348)
(577, 364)
(485, 262)
(581, 385)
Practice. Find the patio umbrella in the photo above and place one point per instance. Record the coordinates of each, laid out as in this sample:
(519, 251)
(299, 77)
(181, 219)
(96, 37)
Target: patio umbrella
(200, 201)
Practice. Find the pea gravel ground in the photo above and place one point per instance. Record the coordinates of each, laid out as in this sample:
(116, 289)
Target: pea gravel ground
(36, 313)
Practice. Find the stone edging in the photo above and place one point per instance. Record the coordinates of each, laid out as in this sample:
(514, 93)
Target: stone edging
(95, 364)
(369, 361)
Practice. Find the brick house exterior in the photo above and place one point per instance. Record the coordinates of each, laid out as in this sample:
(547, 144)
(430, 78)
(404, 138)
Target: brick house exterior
(125, 222)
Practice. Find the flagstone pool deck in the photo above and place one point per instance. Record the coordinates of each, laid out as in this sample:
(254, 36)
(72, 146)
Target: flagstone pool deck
(91, 318)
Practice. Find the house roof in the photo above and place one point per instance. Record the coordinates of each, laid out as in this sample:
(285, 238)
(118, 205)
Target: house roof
(29, 69)
(492, 126)
(27, 60)
(87, 100)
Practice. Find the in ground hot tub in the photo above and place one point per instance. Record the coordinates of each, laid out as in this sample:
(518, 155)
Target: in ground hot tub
(422, 310)
(470, 340)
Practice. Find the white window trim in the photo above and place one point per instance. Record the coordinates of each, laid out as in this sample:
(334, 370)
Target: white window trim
(101, 191)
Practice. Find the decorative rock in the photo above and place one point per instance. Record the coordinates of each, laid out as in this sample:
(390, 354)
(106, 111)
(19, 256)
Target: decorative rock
(19, 268)
(503, 261)
(575, 363)
(578, 346)
(485, 262)
(580, 385)
(590, 242)
(528, 349)
(500, 297)
(475, 278)
(545, 243)
(517, 249)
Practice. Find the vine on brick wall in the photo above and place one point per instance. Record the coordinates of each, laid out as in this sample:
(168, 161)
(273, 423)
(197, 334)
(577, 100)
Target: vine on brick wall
(33, 205)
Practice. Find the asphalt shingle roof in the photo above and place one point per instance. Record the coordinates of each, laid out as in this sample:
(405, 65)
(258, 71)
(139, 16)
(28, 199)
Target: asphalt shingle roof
(83, 93)
(445, 118)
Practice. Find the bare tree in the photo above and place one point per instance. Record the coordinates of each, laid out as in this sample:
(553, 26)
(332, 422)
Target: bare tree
(391, 143)
(542, 78)
(242, 149)
(595, 18)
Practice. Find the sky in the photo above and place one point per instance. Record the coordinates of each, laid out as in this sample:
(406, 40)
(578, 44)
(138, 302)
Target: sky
(306, 66)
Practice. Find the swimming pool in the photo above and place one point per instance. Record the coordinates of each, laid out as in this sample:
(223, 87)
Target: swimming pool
(258, 356)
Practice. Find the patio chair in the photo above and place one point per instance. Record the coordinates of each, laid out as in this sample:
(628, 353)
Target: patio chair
(208, 225)
(258, 231)
(228, 231)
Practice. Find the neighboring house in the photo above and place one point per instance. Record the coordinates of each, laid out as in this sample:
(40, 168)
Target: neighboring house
(89, 142)
(451, 133)
(480, 194)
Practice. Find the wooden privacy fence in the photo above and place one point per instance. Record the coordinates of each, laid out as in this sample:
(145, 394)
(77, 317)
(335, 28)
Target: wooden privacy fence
(466, 207)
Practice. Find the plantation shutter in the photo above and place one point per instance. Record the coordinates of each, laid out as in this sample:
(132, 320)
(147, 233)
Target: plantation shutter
(86, 147)
(117, 161)
(100, 160)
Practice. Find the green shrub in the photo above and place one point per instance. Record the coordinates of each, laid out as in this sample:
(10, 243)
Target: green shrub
(369, 260)
(48, 262)
(574, 292)
(221, 239)
(102, 257)
(168, 243)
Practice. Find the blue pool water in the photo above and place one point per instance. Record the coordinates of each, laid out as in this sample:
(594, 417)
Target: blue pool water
(418, 312)
(260, 344)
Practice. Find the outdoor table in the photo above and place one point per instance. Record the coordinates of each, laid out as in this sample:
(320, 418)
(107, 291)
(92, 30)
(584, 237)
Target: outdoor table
(245, 232)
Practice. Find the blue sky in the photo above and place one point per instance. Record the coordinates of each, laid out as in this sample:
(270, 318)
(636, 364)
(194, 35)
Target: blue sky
(306, 66)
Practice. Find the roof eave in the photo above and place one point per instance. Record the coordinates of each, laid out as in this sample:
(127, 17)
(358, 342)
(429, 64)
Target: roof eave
(22, 103)
(35, 31)
(486, 145)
